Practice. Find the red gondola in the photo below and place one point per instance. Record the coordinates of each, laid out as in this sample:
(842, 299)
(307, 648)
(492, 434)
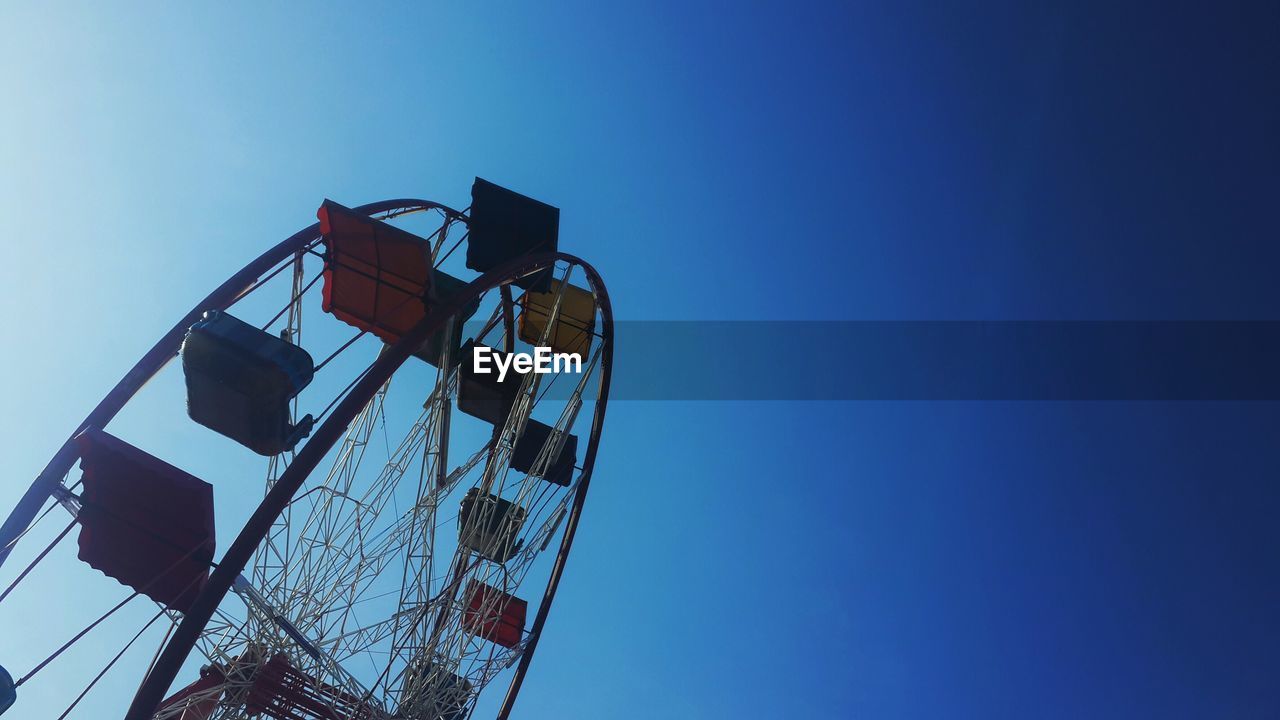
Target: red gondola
(143, 521)
(494, 615)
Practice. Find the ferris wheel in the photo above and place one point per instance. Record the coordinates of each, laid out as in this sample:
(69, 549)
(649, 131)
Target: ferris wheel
(429, 440)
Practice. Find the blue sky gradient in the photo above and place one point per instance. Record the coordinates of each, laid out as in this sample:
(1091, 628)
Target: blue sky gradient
(730, 161)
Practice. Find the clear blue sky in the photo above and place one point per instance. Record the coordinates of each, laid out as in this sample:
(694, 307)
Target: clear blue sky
(735, 161)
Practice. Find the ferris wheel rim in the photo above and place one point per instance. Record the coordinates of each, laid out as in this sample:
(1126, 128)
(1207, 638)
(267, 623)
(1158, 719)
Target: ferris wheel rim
(166, 348)
(259, 271)
(164, 671)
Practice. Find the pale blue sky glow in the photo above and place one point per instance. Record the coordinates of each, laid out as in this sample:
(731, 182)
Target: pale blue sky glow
(883, 161)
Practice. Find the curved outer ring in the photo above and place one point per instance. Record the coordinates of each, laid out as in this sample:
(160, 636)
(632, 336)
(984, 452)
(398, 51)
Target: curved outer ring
(164, 350)
(183, 639)
(175, 653)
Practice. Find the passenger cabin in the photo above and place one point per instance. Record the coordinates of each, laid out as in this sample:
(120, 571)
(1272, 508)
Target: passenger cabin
(200, 699)
(281, 691)
(379, 278)
(558, 468)
(482, 395)
(143, 521)
(240, 381)
(490, 526)
(432, 692)
(493, 614)
(445, 287)
(575, 320)
(8, 691)
(505, 225)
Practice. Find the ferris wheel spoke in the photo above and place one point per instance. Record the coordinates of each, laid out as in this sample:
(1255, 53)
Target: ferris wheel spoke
(221, 633)
(318, 523)
(369, 589)
(322, 662)
(320, 577)
(327, 566)
(326, 530)
(377, 559)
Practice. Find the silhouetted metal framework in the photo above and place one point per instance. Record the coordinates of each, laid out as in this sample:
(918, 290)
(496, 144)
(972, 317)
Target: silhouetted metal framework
(198, 613)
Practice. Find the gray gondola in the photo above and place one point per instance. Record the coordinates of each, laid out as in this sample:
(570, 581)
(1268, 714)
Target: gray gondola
(240, 381)
(559, 470)
(8, 691)
(480, 394)
(490, 525)
(445, 287)
(432, 692)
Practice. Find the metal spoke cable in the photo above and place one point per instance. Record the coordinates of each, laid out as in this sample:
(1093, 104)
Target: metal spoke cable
(110, 664)
(39, 557)
(297, 297)
(145, 587)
